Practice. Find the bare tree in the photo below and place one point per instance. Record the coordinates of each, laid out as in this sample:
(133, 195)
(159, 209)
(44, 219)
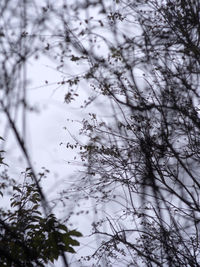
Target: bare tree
(142, 162)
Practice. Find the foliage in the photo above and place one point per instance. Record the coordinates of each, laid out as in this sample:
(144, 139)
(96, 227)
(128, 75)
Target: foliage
(27, 236)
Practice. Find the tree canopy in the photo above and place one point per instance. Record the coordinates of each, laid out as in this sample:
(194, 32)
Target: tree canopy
(142, 159)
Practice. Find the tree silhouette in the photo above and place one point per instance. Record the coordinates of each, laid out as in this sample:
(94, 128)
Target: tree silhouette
(142, 160)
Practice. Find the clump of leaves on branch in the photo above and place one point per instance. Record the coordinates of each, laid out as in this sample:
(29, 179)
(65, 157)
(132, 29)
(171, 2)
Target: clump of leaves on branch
(143, 161)
(28, 237)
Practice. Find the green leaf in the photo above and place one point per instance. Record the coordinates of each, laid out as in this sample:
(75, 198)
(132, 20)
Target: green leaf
(75, 233)
(74, 242)
(71, 250)
(16, 188)
(63, 227)
(69, 241)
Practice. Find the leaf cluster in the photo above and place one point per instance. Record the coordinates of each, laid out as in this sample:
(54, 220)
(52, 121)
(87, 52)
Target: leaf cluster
(28, 237)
